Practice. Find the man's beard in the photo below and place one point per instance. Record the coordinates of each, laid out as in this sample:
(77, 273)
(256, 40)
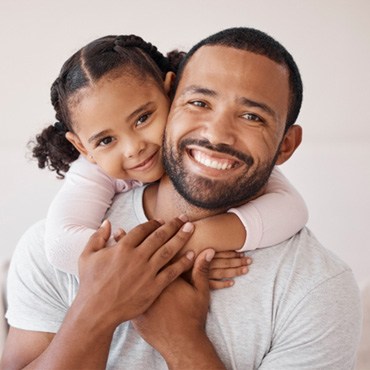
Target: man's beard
(214, 194)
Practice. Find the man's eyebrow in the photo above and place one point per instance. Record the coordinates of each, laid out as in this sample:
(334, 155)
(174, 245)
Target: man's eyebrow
(255, 104)
(98, 136)
(196, 89)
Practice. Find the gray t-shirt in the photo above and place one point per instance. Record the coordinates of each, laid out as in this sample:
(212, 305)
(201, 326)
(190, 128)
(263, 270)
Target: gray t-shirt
(297, 308)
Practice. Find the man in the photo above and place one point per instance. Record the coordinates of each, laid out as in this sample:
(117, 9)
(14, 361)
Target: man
(237, 97)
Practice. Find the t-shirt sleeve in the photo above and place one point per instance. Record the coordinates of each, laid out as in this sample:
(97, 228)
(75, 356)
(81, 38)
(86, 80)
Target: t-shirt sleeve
(273, 217)
(38, 295)
(76, 213)
(321, 330)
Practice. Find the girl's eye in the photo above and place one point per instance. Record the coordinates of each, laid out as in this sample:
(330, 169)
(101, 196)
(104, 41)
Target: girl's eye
(105, 141)
(142, 119)
(198, 103)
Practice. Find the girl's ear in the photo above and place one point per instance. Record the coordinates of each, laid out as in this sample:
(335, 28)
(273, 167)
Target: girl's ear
(290, 143)
(76, 142)
(168, 81)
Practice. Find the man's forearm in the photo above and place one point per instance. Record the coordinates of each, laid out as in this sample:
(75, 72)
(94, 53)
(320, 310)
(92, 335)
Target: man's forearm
(82, 342)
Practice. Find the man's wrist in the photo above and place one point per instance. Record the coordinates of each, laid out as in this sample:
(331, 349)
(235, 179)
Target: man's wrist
(193, 352)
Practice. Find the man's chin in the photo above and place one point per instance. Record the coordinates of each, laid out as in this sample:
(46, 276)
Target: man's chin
(210, 194)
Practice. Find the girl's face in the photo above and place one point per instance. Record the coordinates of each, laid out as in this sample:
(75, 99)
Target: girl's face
(119, 124)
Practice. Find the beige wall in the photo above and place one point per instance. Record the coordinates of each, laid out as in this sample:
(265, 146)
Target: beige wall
(329, 39)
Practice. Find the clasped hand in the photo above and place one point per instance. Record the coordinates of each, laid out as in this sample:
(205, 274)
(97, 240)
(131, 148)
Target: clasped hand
(120, 282)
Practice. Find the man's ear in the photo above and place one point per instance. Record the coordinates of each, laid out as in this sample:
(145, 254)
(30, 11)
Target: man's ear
(168, 81)
(76, 142)
(290, 143)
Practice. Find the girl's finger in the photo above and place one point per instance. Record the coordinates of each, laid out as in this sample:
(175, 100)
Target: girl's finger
(221, 263)
(220, 284)
(229, 254)
(227, 273)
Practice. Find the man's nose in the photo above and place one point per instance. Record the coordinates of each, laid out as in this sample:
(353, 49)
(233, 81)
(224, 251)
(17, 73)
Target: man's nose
(219, 129)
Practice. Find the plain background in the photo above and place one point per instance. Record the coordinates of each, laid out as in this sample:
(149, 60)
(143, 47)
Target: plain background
(329, 39)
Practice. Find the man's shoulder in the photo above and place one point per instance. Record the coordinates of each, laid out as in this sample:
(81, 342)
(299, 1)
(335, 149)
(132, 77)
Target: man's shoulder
(303, 264)
(38, 294)
(311, 256)
(30, 256)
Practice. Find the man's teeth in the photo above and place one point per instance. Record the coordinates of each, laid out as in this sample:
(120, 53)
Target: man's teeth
(206, 161)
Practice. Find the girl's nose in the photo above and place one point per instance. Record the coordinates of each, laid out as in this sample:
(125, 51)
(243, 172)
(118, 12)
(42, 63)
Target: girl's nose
(132, 147)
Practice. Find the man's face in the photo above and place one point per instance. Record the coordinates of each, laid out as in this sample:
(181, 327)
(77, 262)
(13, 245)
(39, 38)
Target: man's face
(225, 126)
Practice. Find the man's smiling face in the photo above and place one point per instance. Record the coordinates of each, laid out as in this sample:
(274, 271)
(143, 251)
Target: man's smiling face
(225, 126)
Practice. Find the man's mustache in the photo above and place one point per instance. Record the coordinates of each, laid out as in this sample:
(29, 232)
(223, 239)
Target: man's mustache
(221, 148)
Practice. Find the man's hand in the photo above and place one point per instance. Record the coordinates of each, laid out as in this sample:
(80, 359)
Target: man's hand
(175, 324)
(121, 281)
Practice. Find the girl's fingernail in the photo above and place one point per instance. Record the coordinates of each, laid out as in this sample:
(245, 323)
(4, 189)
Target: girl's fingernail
(244, 270)
(104, 223)
(188, 227)
(183, 218)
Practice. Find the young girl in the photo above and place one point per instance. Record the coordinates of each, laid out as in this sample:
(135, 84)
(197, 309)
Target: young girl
(113, 138)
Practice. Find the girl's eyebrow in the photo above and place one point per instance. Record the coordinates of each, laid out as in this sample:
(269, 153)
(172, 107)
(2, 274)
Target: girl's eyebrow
(132, 115)
(98, 136)
(142, 108)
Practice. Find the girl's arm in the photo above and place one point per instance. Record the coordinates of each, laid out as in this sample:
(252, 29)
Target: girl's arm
(77, 212)
(267, 220)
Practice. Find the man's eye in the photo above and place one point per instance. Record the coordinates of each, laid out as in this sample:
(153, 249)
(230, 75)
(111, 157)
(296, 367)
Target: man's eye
(198, 103)
(142, 119)
(252, 117)
(105, 141)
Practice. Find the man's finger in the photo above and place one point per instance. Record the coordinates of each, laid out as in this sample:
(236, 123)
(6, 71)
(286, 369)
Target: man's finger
(99, 239)
(174, 270)
(163, 252)
(119, 234)
(200, 273)
(139, 233)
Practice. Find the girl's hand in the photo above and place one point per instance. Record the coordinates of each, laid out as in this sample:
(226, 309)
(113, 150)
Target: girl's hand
(225, 266)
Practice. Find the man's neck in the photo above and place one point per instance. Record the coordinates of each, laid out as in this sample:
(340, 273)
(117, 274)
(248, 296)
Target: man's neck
(162, 201)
